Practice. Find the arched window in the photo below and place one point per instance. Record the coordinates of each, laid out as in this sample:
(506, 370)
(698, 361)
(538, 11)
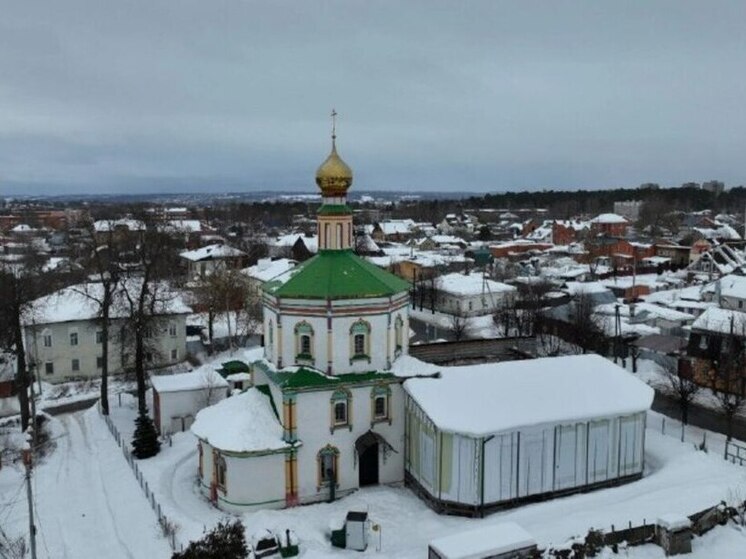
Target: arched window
(340, 409)
(380, 408)
(270, 335)
(328, 464)
(47, 338)
(221, 472)
(303, 341)
(399, 334)
(339, 235)
(360, 341)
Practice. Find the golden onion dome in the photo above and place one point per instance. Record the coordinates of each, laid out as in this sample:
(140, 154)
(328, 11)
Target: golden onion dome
(334, 176)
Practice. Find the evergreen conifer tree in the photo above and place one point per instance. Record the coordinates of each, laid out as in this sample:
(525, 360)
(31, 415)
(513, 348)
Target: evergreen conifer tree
(145, 441)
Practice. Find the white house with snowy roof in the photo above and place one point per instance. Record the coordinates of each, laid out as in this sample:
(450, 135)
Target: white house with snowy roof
(63, 333)
(202, 262)
(337, 404)
(470, 295)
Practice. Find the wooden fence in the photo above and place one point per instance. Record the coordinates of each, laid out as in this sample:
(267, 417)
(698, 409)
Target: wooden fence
(616, 538)
(168, 526)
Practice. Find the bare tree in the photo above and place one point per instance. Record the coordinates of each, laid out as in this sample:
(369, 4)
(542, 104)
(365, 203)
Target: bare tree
(727, 356)
(460, 325)
(21, 282)
(147, 296)
(103, 260)
(682, 387)
(584, 329)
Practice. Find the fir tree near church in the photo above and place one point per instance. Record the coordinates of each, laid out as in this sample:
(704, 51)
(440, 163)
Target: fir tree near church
(145, 441)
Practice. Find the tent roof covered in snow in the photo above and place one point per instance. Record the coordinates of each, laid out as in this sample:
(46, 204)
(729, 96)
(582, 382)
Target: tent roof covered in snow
(480, 400)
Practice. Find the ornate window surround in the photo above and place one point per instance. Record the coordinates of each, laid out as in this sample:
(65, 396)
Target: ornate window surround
(301, 329)
(360, 327)
(325, 452)
(340, 396)
(380, 391)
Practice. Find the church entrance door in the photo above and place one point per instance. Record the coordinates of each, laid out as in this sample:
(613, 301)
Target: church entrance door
(369, 465)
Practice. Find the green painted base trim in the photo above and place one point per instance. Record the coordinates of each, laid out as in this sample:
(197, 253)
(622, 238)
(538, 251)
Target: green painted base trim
(235, 504)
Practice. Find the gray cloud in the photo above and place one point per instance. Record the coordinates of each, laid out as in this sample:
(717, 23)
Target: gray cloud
(479, 95)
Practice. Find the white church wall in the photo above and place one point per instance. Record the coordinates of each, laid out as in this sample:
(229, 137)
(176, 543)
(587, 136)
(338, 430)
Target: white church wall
(342, 344)
(314, 421)
(345, 313)
(254, 482)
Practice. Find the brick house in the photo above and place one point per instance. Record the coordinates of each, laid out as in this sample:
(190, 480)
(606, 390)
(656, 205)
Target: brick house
(609, 224)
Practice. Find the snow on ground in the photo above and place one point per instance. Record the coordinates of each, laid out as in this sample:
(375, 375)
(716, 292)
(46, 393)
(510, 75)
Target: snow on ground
(678, 479)
(475, 326)
(88, 504)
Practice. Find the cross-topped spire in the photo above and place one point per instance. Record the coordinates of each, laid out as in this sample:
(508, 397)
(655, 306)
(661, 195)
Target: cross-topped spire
(334, 128)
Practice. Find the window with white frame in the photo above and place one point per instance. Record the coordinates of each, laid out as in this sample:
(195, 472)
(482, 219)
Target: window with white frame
(73, 338)
(172, 329)
(47, 339)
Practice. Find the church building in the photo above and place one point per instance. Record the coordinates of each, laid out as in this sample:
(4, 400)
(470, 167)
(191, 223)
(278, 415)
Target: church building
(322, 409)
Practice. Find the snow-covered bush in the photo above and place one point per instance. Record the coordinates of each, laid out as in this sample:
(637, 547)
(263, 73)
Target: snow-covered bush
(225, 541)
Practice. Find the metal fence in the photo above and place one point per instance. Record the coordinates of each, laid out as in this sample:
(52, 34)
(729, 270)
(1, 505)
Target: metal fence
(167, 525)
(735, 453)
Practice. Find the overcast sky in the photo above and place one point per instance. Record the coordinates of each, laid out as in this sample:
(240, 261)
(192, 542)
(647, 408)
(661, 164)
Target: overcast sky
(184, 95)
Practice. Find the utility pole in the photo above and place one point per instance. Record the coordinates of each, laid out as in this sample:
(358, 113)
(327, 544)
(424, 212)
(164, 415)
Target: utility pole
(28, 463)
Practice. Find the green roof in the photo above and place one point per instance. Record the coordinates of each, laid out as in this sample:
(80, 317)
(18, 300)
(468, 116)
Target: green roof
(339, 274)
(235, 366)
(305, 378)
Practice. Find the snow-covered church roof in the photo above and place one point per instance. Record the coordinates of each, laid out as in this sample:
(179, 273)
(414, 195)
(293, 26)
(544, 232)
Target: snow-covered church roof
(241, 423)
(480, 400)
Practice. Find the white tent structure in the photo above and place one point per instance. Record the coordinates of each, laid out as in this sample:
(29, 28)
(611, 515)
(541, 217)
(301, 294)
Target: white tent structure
(488, 436)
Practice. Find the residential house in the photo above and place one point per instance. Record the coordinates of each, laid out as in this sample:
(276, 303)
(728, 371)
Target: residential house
(202, 262)
(64, 338)
(609, 224)
(470, 295)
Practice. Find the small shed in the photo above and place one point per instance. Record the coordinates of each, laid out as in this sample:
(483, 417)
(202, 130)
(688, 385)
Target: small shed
(484, 437)
(178, 398)
(501, 541)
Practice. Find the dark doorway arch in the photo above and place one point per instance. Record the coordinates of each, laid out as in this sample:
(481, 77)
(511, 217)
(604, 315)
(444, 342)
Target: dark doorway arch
(368, 466)
(367, 449)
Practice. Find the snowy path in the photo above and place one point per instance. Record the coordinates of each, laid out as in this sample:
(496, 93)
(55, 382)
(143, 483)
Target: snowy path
(88, 502)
